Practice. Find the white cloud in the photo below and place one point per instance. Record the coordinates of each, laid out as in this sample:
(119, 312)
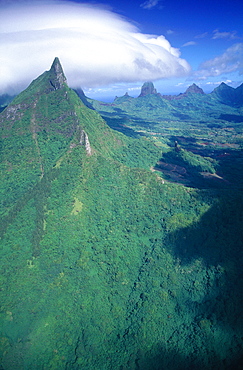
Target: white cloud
(201, 36)
(190, 43)
(230, 61)
(224, 35)
(96, 46)
(216, 83)
(149, 4)
(137, 88)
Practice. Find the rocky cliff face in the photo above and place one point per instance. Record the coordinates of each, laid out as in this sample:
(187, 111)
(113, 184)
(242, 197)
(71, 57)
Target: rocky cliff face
(57, 77)
(148, 88)
(84, 140)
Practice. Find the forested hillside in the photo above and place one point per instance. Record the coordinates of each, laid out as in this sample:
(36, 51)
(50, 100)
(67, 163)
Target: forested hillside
(106, 261)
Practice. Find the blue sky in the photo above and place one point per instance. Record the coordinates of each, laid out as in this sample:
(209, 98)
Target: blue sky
(111, 47)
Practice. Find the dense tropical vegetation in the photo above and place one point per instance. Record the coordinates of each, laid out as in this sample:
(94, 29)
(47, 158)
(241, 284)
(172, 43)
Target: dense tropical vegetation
(119, 250)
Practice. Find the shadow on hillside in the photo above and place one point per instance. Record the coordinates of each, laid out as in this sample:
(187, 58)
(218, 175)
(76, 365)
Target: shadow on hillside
(176, 361)
(218, 236)
(119, 124)
(228, 166)
(207, 148)
(217, 241)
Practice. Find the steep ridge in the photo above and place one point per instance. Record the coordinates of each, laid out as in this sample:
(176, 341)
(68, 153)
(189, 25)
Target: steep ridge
(46, 120)
(228, 95)
(104, 265)
(239, 94)
(194, 89)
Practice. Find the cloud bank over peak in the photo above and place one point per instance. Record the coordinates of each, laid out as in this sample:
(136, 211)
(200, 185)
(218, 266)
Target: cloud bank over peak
(96, 46)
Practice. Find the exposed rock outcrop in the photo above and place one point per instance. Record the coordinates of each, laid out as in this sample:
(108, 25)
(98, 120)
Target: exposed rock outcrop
(84, 140)
(57, 77)
(147, 88)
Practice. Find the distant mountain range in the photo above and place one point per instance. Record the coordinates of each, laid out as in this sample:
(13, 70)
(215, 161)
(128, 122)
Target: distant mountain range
(223, 104)
(224, 93)
(193, 89)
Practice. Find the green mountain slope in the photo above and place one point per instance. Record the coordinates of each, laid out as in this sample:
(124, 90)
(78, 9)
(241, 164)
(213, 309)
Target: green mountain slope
(204, 125)
(228, 95)
(46, 120)
(104, 265)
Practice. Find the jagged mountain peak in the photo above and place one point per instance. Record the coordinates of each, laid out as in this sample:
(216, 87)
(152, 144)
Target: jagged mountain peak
(51, 80)
(223, 86)
(56, 65)
(147, 88)
(58, 119)
(194, 89)
(228, 95)
(57, 77)
(124, 98)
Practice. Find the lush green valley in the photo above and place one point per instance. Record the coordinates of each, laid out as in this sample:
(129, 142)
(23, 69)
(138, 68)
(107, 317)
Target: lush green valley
(121, 236)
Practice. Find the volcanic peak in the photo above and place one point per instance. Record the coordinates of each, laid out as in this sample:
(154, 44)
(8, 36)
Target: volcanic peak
(194, 89)
(57, 77)
(228, 95)
(147, 88)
